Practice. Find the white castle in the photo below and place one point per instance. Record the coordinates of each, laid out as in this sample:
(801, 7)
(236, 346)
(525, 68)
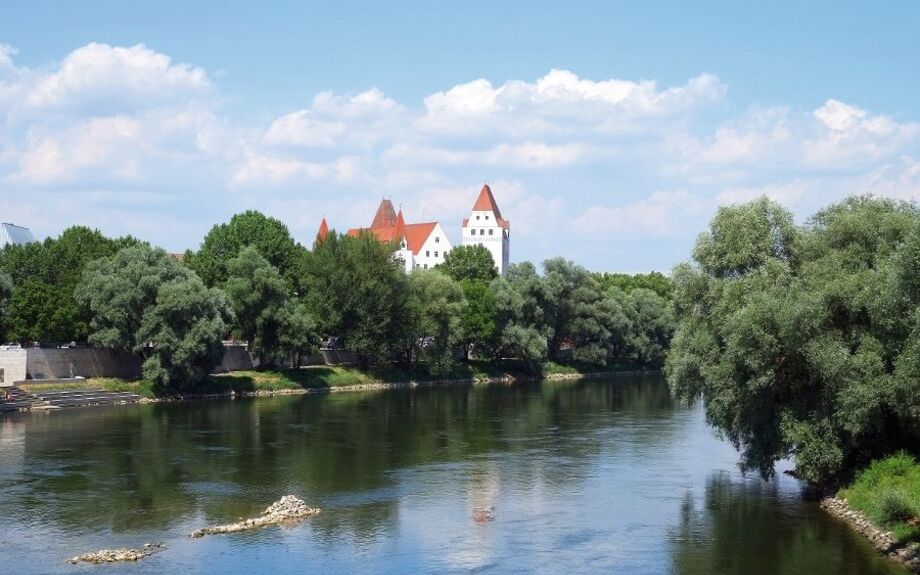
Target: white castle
(425, 245)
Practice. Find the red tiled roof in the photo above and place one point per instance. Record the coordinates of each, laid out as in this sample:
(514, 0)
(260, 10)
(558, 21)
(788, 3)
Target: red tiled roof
(388, 226)
(416, 234)
(486, 203)
(323, 231)
(386, 215)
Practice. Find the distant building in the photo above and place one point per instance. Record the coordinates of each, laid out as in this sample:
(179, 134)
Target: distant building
(425, 245)
(486, 227)
(12, 234)
(421, 246)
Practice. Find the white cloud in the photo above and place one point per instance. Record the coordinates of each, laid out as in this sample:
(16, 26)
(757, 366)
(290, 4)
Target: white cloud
(100, 75)
(126, 135)
(657, 214)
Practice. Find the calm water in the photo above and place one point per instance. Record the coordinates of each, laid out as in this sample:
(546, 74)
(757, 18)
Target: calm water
(588, 477)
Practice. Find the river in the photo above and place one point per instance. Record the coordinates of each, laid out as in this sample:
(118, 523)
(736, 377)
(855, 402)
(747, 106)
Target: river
(584, 477)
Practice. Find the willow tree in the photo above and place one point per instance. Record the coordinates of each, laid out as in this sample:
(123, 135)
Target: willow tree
(800, 339)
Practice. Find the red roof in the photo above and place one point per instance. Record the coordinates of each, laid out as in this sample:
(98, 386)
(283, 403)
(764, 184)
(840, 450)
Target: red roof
(386, 215)
(388, 226)
(416, 234)
(323, 231)
(486, 203)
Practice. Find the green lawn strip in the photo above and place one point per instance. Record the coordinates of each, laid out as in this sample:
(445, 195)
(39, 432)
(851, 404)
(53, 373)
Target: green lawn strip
(321, 377)
(142, 388)
(888, 492)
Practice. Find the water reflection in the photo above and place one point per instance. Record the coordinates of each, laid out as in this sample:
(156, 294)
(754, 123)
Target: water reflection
(749, 526)
(582, 476)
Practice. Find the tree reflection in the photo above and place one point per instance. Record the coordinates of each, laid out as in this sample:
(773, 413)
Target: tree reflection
(748, 527)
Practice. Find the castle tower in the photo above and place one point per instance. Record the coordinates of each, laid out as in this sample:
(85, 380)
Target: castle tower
(487, 227)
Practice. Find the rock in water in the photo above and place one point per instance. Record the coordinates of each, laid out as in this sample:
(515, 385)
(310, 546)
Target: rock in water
(116, 555)
(287, 510)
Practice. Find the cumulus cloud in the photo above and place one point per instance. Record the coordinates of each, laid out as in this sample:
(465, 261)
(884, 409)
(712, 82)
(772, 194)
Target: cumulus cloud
(550, 103)
(100, 76)
(127, 138)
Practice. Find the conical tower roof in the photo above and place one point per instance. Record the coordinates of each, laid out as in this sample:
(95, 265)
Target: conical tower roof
(386, 215)
(486, 202)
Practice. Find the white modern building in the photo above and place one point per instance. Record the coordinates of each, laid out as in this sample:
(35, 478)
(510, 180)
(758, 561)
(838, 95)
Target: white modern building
(486, 227)
(13, 234)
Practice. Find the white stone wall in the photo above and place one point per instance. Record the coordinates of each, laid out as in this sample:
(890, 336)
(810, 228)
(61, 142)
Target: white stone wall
(482, 229)
(434, 249)
(13, 363)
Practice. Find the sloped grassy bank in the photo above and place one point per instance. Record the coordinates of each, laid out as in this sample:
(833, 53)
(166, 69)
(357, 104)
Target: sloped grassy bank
(320, 379)
(883, 504)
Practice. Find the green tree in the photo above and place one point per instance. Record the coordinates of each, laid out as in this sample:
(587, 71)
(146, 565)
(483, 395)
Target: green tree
(142, 300)
(251, 228)
(356, 289)
(45, 274)
(519, 299)
(469, 263)
(478, 325)
(435, 306)
(6, 289)
(259, 298)
(799, 339)
(576, 312)
(655, 281)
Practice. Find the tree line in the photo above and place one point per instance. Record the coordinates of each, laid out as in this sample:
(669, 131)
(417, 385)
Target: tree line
(804, 340)
(252, 281)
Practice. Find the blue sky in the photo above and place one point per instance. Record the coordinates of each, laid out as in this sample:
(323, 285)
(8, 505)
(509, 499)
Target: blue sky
(610, 132)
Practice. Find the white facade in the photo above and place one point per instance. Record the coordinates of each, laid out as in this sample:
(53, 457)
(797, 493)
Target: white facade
(487, 228)
(433, 249)
(12, 234)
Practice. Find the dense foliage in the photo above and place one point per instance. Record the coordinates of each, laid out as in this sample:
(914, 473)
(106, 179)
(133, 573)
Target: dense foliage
(269, 236)
(251, 281)
(803, 340)
(469, 263)
(143, 301)
(6, 289)
(356, 289)
(44, 274)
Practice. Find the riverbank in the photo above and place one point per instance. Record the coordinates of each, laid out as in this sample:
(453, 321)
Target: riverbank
(883, 504)
(339, 379)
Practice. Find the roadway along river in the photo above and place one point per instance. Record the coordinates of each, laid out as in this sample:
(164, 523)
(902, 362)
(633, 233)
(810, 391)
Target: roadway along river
(587, 477)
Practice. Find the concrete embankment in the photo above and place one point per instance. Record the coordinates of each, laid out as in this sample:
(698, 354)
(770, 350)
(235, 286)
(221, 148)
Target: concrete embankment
(885, 542)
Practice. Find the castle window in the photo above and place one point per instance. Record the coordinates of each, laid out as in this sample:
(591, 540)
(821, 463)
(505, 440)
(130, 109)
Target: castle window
(490, 232)
(472, 232)
(487, 216)
(482, 232)
(437, 240)
(427, 254)
(477, 216)
(426, 266)
(435, 254)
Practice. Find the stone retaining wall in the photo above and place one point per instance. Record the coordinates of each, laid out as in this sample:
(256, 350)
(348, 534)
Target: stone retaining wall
(83, 362)
(908, 555)
(12, 366)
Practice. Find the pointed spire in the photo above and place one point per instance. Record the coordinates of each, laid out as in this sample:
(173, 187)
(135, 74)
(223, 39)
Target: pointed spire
(400, 227)
(323, 230)
(386, 215)
(486, 202)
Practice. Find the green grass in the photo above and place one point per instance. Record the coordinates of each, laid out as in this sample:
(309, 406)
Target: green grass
(142, 388)
(322, 377)
(888, 492)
